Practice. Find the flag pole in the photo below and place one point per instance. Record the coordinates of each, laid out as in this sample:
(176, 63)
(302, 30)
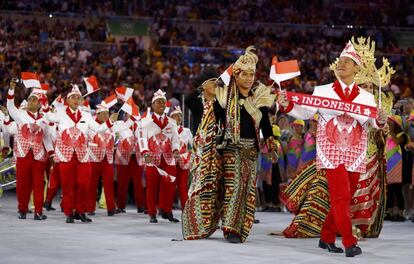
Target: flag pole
(379, 91)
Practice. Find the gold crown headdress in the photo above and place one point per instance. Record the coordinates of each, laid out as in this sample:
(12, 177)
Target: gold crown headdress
(247, 61)
(368, 71)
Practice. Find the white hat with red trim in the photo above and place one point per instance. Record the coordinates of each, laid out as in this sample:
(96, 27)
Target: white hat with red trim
(177, 110)
(350, 52)
(159, 95)
(75, 90)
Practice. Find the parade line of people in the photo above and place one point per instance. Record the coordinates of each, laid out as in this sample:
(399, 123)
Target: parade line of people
(342, 177)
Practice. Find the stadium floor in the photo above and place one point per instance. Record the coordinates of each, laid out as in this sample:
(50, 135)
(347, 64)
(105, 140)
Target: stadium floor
(129, 238)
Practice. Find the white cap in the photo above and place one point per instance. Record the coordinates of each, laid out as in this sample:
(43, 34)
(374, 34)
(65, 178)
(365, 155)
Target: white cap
(349, 51)
(177, 110)
(75, 90)
(159, 95)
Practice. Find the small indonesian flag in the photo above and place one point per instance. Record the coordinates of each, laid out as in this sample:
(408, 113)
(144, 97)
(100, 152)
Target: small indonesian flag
(285, 70)
(30, 80)
(226, 75)
(43, 90)
(124, 93)
(165, 174)
(167, 107)
(91, 84)
(110, 101)
(130, 107)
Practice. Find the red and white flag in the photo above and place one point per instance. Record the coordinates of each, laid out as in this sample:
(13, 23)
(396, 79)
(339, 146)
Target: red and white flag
(44, 87)
(167, 107)
(30, 80)
(285, 70)
(91, 84)
(165, 174)
(124, 93)
(130, 107)
(110, 101)
(226, 75)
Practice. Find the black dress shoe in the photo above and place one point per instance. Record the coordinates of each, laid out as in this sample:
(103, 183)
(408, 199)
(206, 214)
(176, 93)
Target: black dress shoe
(388, 217)
(330, 246)
(398, 218)
(140, 210)
(256, 221)
(91, 213)
(119, 211)
(353, 251)
(70, 219)
(170, 217)
(39, 217)
(111, 213)
(22, 215)
(153, 219)
(233, 238)
(48, 206)
(83, 218)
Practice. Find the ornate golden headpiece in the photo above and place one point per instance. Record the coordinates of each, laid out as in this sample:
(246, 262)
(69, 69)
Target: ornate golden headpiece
(368, 71)
(247, 61)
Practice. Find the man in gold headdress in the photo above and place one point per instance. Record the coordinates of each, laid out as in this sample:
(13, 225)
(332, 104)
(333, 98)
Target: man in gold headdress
(242, 106)
(246, 108)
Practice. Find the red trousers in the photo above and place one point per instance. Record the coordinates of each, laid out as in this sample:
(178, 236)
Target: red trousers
(106, 171)
(47, 168)
(54, 182)
(76, 178)
(125, 173)
(341, 185)
(182, 184)
(159, 188)
(29, 177)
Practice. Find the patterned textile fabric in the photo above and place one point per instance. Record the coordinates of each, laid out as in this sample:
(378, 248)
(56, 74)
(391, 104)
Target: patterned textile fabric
(239, 175)
(370, 221)
(374, 220)
(308, 198)
(201, 213)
